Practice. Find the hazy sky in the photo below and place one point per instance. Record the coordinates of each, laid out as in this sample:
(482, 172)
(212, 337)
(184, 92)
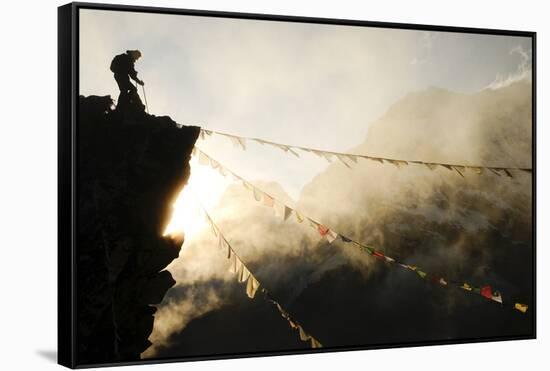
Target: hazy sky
(304, 84)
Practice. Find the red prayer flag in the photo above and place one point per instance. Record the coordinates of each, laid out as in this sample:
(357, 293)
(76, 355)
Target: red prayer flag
(487, 292)
(322, 230)
(379, 255)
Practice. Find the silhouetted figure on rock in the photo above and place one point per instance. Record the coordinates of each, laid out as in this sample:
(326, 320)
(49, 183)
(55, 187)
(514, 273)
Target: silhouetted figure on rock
(123, 67)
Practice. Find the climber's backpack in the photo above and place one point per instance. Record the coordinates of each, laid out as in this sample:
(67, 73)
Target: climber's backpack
(118, 65)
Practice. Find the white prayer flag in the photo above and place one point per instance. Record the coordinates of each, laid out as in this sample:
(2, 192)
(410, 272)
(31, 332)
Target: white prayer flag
(238, 267)
(221, 242)
(245, 273)
(252, 286)
(281, 210)
(203, 159)
(497, 297)
(331, 236)
(238, 142)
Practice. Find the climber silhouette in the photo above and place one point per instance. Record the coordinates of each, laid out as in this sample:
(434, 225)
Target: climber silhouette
(123, 68)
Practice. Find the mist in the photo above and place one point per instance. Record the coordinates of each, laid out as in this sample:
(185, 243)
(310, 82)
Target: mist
(475, 229)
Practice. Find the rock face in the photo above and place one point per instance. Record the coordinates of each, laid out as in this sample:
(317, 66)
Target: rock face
(130, 170)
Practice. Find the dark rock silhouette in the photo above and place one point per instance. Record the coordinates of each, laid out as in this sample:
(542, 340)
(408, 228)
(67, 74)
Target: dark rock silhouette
(130, 170)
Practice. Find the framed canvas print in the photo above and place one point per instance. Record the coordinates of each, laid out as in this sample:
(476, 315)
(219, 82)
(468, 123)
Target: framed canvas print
(235, 185)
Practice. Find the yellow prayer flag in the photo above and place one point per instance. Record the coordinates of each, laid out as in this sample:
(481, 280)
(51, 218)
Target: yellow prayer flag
(315, 343)
(303, 335)
(521, 307)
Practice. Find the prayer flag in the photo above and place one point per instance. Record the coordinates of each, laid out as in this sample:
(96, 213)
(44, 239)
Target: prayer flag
(215, 164)
(377, 159)
(521, 307)
(341, 158)
(299, 218)
(397, 163)
(286, 149)
(487, 292)
(369, 249)
(494, 171)
(378, 254)
(303, 335)
(322, 230)
(421, 274)
(497, 297)
(221, 242)
(443, 282)
(281, 210)
(465, 286)
(331, 236)
(345, 239)
(239, 266)
(252, 286)
(245, 273)
(327, 156)
(257, 194)
(458, 170)
(478, 170)
(233, 263)
(315, 343)
(318, 153)
(268, 200)
(238, 142)
(203, 159)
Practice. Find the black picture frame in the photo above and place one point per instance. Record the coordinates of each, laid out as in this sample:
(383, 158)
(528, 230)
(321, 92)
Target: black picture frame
(68, 90)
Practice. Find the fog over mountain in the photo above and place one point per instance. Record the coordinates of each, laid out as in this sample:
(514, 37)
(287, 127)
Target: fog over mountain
(475, 229)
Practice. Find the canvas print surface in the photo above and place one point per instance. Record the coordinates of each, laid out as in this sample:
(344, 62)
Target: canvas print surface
(249, 186)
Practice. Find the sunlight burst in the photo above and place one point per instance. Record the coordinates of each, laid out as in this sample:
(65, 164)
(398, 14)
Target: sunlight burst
(205, 188)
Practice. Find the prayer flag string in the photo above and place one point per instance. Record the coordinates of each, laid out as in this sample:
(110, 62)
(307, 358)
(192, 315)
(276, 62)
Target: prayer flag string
(284, 212)
(347, 158)
(243, 274)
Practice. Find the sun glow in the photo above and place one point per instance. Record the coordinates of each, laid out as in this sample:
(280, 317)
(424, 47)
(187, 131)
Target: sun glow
(205, 187)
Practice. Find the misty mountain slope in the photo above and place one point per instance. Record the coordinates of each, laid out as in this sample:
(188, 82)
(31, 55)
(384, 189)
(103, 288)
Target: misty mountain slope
(391, 207)
(476, 229)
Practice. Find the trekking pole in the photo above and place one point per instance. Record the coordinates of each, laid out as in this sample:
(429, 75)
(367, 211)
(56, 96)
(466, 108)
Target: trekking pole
(145, 98)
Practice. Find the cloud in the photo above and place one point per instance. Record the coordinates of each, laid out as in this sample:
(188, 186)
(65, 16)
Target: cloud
(523, 71)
